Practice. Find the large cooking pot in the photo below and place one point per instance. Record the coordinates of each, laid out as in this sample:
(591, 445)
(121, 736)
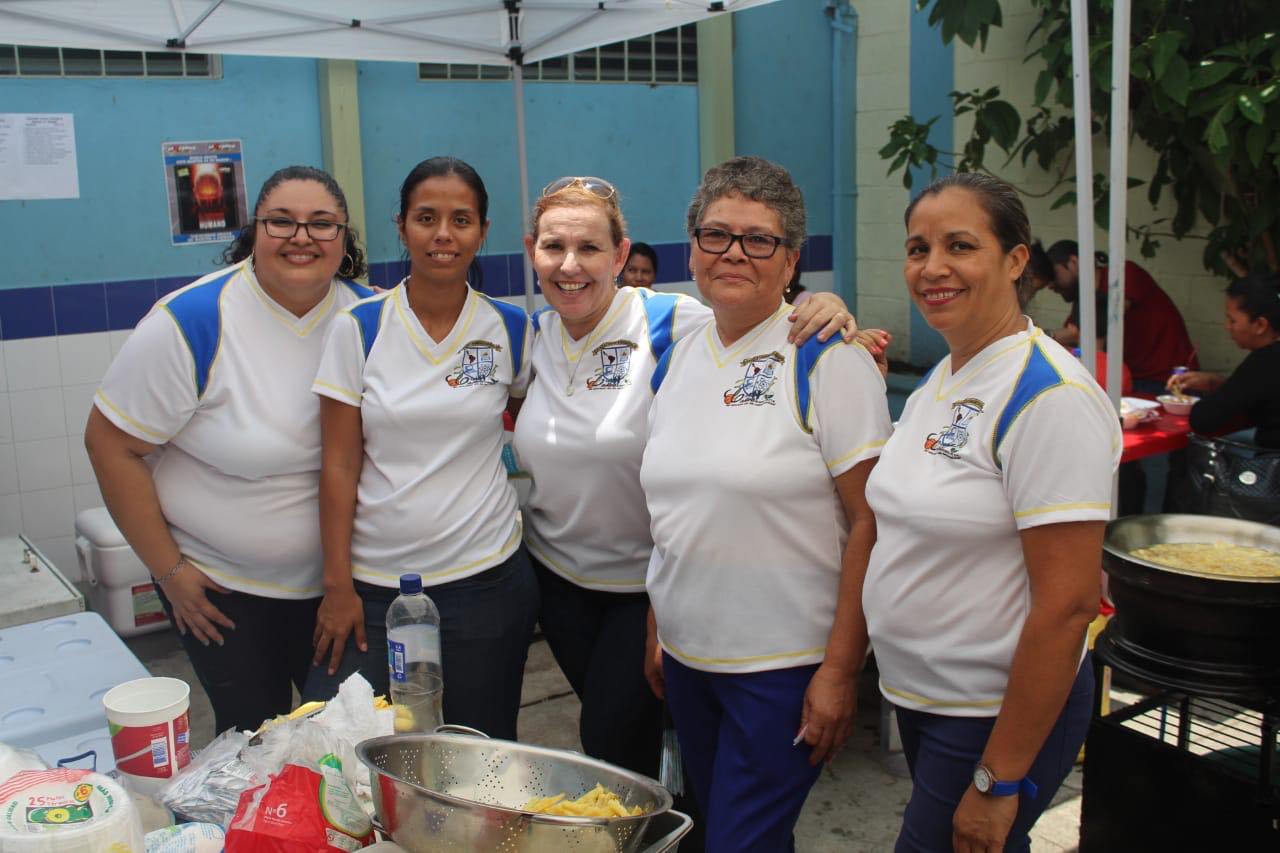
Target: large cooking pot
(1194, 631)
(450, 791)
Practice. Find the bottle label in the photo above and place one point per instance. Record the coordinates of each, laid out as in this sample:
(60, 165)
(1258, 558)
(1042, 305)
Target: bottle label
(396, 663)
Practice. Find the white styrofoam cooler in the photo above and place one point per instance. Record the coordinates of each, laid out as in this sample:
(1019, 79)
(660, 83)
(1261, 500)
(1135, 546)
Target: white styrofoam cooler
(120, 587)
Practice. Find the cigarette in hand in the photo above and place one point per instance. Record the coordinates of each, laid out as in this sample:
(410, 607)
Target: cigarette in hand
(800, 736)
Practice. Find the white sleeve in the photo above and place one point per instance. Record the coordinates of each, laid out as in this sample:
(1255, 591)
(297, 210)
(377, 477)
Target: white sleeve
(849, 411)
(149, 391)
(520, 382)
(341, 373)
(690, 314)
(1059, 458)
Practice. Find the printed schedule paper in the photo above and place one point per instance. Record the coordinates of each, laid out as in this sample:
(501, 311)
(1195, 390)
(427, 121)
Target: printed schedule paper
(38, 156)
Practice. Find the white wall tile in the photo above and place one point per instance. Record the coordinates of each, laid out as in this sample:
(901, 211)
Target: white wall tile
(48, 513)
(32, 363)
(6, 425)
(8, 471)
(39, 413)
(81, 469)
(42, 464)
(10, 515)
(76, 402)
(61, 551)
(4, 377)
(86, 496)
(117, 339)
(84, 358)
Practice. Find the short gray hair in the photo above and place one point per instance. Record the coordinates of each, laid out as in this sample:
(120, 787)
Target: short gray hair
(759, 180)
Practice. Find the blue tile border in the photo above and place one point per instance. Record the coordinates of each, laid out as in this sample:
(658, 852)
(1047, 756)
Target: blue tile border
(100, 306)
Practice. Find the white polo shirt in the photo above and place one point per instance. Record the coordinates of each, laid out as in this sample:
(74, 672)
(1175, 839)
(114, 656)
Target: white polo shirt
(433, 496)
(1021, 436)
(748, 529)
(581, 435)
(238, 474)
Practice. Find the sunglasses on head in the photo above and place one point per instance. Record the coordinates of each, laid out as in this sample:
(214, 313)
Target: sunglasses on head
(598, 187)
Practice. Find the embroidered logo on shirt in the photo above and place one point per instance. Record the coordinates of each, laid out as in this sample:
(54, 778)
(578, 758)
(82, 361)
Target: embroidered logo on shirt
(755, 386)
(615, 365)
(477, 366)
(950, 441)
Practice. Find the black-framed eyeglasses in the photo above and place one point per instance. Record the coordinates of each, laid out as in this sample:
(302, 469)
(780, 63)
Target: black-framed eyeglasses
(717, 241)
(598, 187)
(284, 228)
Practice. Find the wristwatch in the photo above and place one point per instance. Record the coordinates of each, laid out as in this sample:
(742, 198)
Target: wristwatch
(987, 783)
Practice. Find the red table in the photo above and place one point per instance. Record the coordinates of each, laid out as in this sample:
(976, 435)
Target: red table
(1161, 434)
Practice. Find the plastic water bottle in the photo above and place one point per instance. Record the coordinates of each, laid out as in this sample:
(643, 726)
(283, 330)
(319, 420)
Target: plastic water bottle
(413, 658)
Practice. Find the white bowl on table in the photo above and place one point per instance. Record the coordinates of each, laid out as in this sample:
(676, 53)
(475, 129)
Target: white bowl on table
(1177, 405)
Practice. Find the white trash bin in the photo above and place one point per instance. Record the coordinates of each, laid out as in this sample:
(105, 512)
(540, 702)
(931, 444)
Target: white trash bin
(120, 587)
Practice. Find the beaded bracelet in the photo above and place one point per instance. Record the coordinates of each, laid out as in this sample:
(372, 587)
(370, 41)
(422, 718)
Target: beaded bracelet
(168, 576)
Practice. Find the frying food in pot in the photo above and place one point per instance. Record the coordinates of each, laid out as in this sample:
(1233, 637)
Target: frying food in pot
(598, 802)
(1219, 558)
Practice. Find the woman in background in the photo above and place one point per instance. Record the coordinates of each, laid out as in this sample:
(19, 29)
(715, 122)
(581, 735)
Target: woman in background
(641, 268)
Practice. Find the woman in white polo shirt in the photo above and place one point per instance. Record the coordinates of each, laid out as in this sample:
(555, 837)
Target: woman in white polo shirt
(581, 435)
(754, 469)
(213, 390)
(413, 383)
(990, 501)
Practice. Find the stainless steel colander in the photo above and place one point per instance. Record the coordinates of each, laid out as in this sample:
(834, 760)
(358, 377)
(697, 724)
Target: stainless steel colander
(438, 792)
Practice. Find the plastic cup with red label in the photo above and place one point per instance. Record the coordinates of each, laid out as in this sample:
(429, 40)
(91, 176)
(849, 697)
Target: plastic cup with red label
(148, 721)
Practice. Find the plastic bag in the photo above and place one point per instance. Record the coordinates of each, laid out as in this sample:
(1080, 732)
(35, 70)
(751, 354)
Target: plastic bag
(302, 810)
(13, 760)
(187, 838)
(209, 788)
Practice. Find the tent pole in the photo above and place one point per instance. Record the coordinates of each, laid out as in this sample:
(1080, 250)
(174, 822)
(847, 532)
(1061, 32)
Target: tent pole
(1084, 182)
(1118, 219)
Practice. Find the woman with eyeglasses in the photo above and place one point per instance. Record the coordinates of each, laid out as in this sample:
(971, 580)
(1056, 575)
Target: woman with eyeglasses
(412, 384)
(754, 472)
(205, 439)
(581, 435)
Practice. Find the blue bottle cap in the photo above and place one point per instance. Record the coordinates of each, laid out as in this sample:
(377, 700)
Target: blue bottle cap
(410, 584)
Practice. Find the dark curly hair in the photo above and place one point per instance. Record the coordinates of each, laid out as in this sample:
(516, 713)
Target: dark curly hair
(353, 263)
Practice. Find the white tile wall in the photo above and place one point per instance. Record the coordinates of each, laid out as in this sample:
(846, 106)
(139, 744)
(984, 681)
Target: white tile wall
(4, 377)
(32, 363)
(48, 513)
(76, 402)
(8, 471)
(11, 515)
(37, 413)
(6, 425)
(84, 358)
(42, 464)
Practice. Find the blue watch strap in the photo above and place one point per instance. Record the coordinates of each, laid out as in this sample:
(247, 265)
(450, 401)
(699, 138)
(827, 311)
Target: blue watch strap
(1008, 789)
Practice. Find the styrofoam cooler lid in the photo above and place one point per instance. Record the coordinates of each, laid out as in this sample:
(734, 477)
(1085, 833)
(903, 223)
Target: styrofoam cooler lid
(97, 526)
(67, 811)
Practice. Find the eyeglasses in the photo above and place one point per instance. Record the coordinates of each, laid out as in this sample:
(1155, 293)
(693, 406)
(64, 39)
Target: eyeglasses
(717, 241)
(320, 230)
(598, 187)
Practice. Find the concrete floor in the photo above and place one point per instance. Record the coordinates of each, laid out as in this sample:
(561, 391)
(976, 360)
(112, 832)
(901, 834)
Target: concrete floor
(856, 807)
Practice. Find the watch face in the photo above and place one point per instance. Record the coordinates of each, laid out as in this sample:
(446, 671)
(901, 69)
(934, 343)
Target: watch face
(981, 779)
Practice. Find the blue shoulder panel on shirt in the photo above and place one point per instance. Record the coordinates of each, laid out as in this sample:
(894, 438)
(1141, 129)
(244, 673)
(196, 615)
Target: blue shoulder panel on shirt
(368, 317)
(536, 317)
(514, 318)
(199, 317)
(924, 380)
(807, 355)
(357, 288)
(660, 314)
(660, 371)
(1038, 375)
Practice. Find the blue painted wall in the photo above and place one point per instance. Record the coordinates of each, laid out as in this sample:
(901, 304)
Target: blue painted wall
(119, 227)
(782, 96)
(932, 77)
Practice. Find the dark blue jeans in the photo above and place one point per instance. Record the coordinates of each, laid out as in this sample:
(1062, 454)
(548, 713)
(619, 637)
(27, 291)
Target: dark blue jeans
(486, 625)
(942, 752)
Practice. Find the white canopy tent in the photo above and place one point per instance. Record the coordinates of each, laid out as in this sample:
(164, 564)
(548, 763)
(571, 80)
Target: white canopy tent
(489, 32)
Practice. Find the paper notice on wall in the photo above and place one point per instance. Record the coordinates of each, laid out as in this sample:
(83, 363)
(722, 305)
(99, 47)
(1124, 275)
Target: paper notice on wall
(38, 156)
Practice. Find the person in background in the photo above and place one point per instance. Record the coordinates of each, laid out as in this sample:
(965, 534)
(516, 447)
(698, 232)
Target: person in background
(756, 618)
(413, 383)
(205, 439)
(581, 435)
(641, 268)
(990, 500)
(1250, 396)
(1155, 335)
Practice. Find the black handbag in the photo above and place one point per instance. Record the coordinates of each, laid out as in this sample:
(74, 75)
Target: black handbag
(1232, 479)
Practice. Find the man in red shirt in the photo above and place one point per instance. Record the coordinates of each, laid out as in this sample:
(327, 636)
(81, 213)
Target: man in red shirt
(1155, 336)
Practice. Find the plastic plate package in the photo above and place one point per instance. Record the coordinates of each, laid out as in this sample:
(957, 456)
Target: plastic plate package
(208, 789)
(186, 838)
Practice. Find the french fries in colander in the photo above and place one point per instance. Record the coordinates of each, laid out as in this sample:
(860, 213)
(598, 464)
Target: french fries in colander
(598, 802)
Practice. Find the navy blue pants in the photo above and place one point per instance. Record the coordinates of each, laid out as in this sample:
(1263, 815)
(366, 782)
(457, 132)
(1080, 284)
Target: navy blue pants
(735, 734)
(942, 752)
(486, 625)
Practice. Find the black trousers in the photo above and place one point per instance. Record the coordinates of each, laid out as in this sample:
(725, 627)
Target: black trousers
(251, 676)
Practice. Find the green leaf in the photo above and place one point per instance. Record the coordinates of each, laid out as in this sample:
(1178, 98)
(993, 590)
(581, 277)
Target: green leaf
(1216, 135)
(1255, 143)
(1163, 48)
(1176, 80)
(1063, 200)
(1043, 81)
(1003, 121)
(1208, 72)
(1250, 103)
(1269, 92)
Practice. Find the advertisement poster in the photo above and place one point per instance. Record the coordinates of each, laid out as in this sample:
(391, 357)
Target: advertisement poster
(38, 156)
(205, 181)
